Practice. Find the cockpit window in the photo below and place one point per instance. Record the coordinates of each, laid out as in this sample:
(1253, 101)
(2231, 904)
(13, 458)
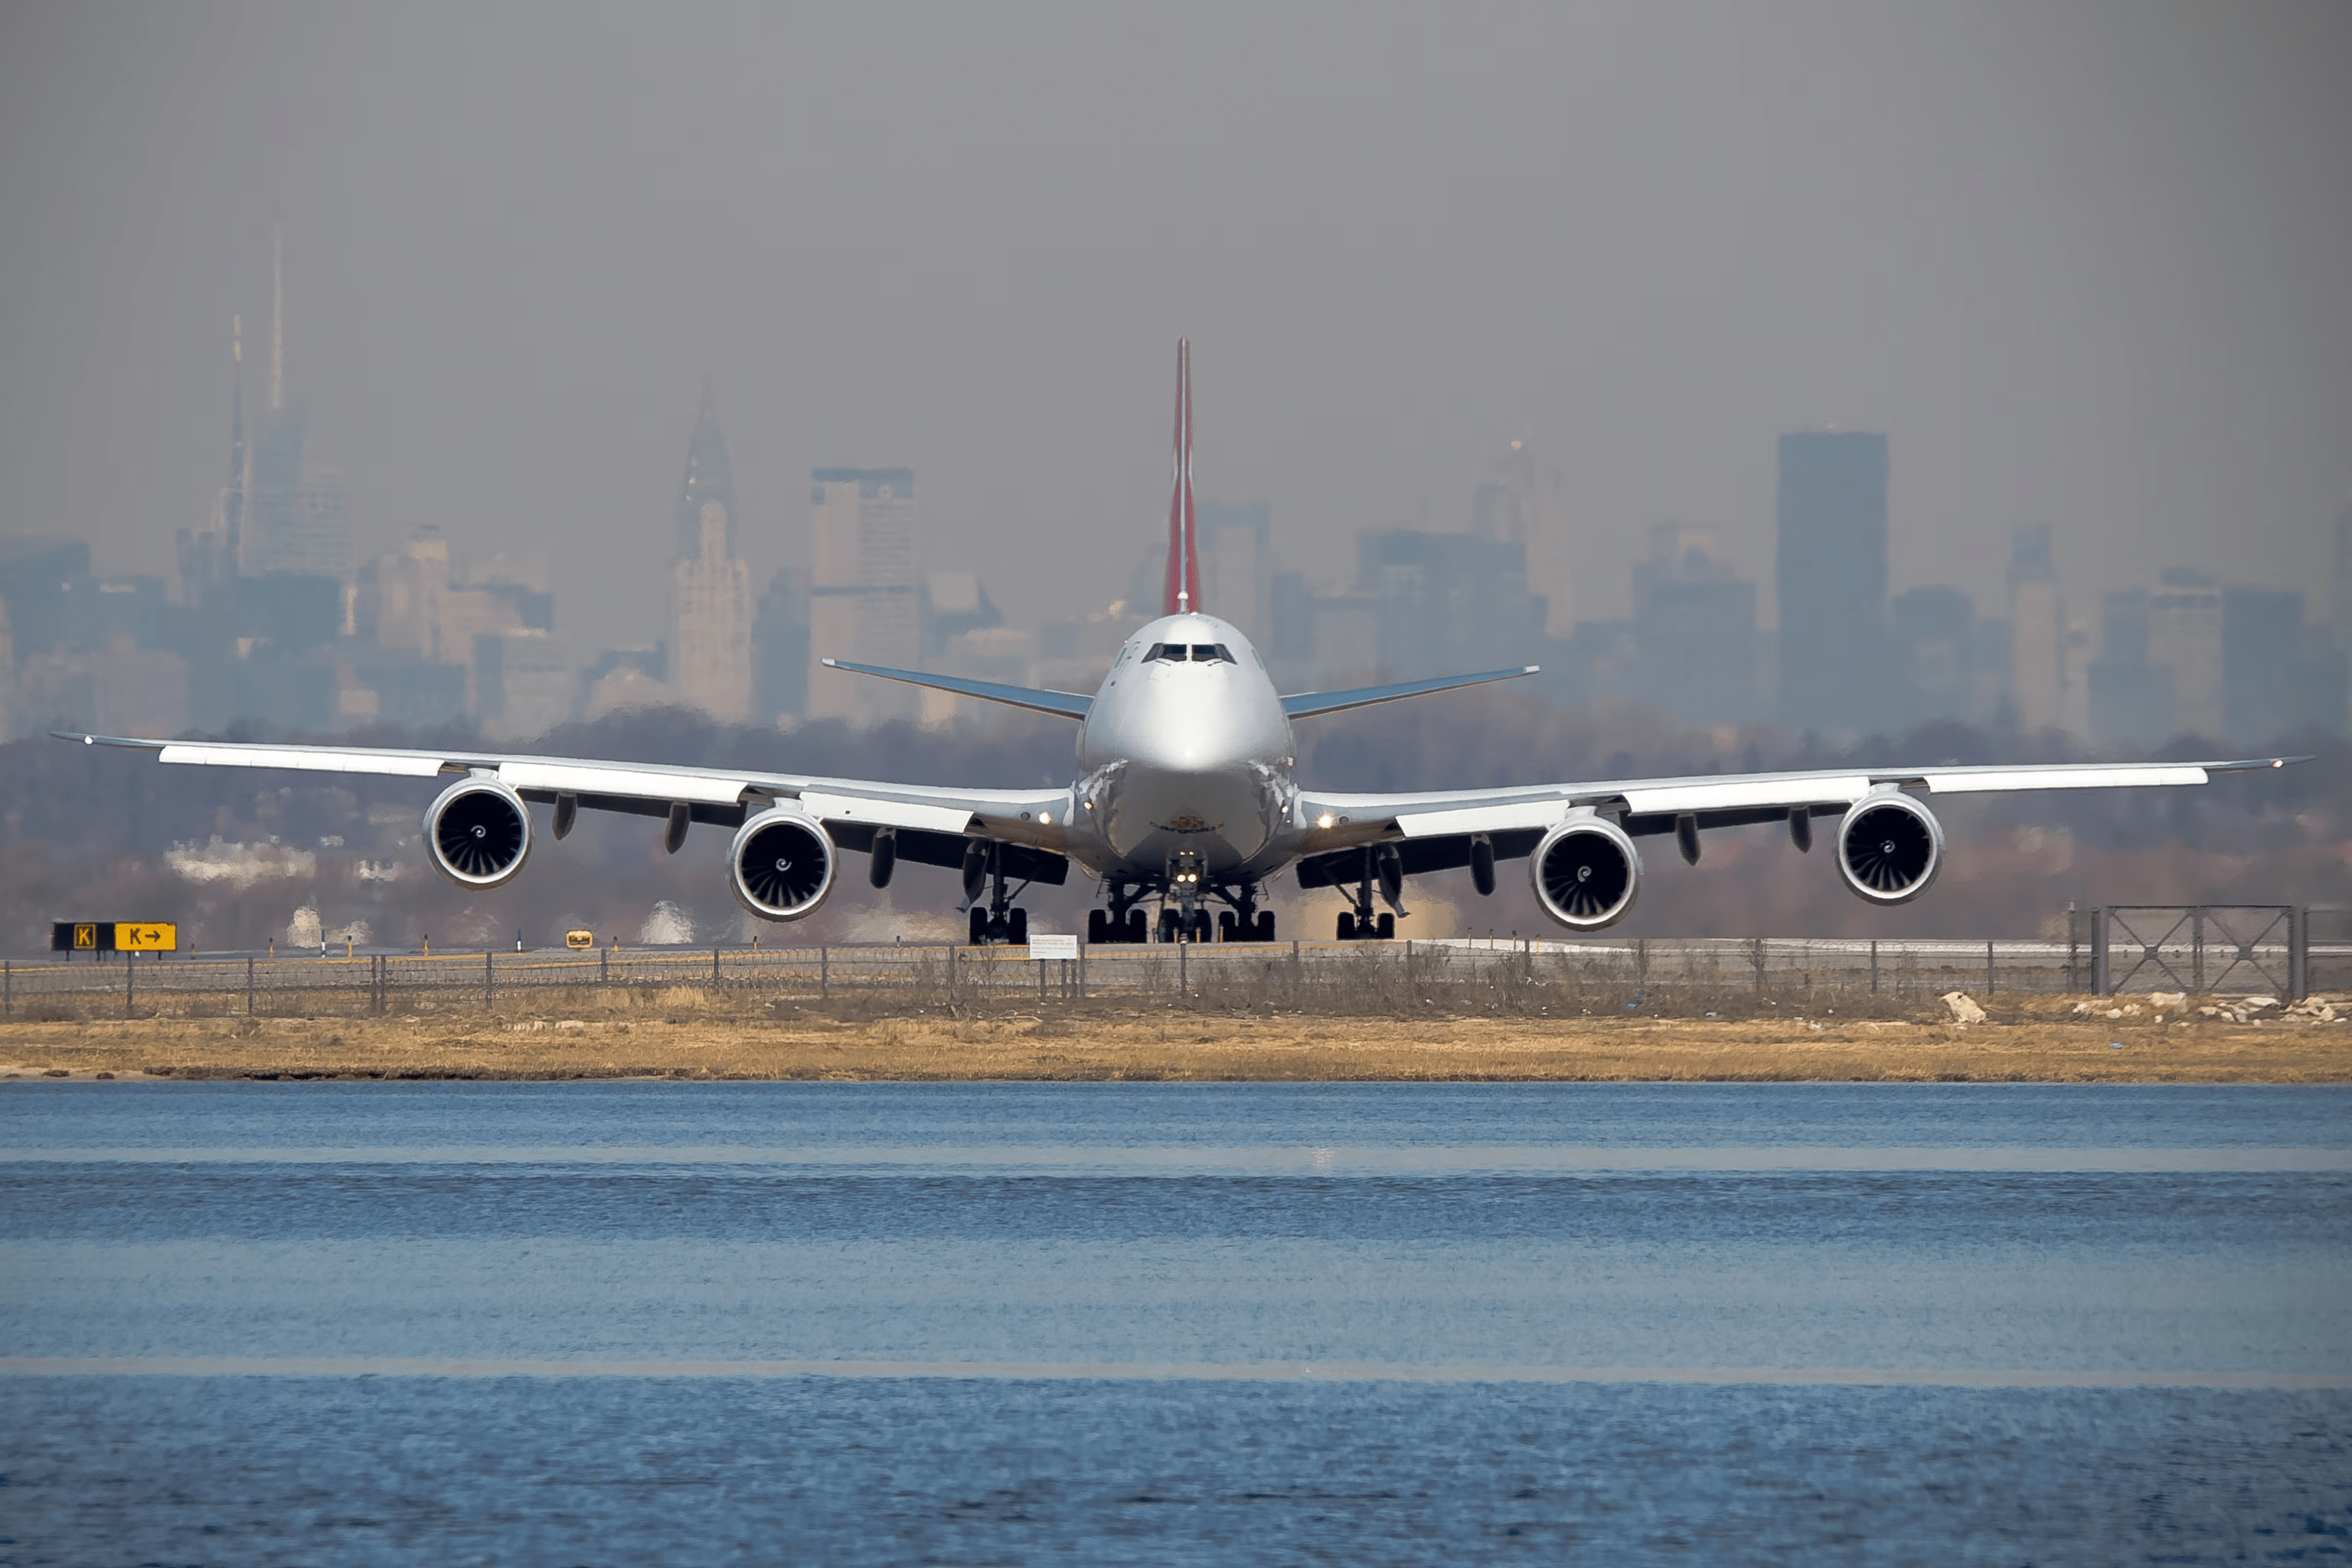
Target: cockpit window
(1198, 653)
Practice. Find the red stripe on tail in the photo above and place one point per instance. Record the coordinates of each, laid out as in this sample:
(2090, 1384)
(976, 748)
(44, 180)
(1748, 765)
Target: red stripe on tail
(1183, 551)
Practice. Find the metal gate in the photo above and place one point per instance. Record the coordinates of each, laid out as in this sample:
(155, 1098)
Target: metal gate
(2202, 948)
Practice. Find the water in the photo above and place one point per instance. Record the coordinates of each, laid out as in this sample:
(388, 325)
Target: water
(1084, 1324)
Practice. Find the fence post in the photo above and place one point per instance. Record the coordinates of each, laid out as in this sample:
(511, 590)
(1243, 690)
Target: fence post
(1759, 965)
(2099, 951)
(2298, 951)
(129, 983)
(1082, 969)
(2196, 950)
(2073, 940)
(1183, 950)
(1040, 980)
(952, 974)
(1873, 966)
(248, 986)
(1987, 966)
(489, 978)
(8, 988)
(603, 966)
(824, 973)
(714, 963)
(1642, 963)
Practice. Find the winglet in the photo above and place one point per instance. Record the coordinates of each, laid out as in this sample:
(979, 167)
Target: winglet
(1183, 552)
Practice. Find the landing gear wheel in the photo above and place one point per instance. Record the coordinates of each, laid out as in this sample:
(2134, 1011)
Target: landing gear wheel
(1136, 927)
(1098, 928)
(1168, 918)
(1388, 928)
(1017, 927)
(1346, 927)
(978, 926)
(1200, 932)
(1265, 925)
(1225, 926)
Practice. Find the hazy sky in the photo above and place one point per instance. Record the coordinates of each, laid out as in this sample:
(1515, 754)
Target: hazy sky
(2090, 263)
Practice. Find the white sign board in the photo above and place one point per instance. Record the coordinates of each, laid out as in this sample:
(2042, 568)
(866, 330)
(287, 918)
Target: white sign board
(1043, 946)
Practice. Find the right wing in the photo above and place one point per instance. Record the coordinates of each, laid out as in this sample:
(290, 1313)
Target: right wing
(933, 825)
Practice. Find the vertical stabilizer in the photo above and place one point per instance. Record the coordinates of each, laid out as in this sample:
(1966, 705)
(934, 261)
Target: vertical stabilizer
(1183, 551)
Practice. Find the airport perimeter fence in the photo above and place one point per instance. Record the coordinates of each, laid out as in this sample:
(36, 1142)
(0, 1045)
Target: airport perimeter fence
(2204, 950)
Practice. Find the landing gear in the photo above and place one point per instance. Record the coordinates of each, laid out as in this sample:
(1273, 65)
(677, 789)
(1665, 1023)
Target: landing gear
(1384, 870)
(995, 921)
(1243, 925)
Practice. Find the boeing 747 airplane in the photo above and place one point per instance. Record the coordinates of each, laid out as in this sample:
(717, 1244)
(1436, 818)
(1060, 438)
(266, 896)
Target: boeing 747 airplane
(1184, 798)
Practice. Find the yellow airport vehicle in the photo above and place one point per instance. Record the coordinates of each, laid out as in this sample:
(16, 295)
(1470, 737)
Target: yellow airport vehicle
(580, 939)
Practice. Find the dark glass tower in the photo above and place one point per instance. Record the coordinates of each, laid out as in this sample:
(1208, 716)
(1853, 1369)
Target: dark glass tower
(1830, 571)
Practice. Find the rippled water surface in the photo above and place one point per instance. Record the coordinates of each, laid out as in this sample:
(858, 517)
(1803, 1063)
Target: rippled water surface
(627, 1322)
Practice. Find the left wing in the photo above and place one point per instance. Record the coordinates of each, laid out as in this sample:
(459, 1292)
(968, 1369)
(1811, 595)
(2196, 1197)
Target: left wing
(933, 824)
(1434, 828)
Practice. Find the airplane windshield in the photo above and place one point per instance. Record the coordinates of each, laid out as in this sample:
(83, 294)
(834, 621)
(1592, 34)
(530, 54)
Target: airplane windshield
(1198, 653)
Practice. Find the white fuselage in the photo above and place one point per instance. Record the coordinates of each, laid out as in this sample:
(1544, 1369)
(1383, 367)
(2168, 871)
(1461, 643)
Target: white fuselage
(1186, 763)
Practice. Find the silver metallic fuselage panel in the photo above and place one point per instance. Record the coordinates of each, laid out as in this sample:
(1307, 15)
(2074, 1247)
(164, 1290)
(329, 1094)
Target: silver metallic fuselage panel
(1188, 760)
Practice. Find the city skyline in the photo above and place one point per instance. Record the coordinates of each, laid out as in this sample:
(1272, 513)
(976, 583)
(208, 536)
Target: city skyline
(2079, 287)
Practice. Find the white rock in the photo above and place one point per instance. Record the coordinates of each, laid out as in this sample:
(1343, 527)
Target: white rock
(2255, 1004)
(1964, 1010)
(2176, 1000)
(2082, 1009)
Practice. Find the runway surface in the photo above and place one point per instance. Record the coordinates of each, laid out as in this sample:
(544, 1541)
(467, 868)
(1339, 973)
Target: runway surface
(280, 1323)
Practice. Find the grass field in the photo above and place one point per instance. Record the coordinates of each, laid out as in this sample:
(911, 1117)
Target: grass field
(682, 1032)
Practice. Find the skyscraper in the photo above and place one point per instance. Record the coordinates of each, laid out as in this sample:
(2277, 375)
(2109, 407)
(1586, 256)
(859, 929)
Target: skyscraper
(1830, 573)
(2037, 631)
(299, 519)
(861, 599)
(2184, 635)
(710, 590)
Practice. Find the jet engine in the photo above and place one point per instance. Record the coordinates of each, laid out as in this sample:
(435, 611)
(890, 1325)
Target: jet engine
(782, 864)
(1586, 872)
(477, 832)
(1889, 847)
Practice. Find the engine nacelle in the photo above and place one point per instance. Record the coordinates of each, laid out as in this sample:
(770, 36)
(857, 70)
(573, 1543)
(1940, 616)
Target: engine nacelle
(782, 864)
(1889, 847)
(477, 832)
(1585, 873)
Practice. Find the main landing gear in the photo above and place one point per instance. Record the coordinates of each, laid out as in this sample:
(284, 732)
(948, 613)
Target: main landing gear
(1383, 871)
(995, 923)
(1124, 921)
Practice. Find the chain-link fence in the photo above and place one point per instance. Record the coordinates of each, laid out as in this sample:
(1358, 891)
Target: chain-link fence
(2204, 950)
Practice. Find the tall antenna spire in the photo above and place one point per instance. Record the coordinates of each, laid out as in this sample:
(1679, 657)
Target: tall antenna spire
(277, 319)
(236, 400)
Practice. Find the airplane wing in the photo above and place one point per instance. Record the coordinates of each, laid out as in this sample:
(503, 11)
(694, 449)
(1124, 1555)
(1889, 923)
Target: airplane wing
(1433, 829)
(932, 826)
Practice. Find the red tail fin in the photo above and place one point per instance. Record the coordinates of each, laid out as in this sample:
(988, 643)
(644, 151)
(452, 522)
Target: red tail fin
(1183, 553)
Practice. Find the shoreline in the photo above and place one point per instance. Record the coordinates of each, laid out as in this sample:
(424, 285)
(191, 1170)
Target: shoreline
(1108, 1043)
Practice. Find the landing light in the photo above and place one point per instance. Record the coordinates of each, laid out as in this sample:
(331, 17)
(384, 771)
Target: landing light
(1045, 819)
(1324, 820)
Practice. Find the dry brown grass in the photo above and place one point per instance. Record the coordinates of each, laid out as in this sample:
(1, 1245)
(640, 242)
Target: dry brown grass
(683, 1033)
